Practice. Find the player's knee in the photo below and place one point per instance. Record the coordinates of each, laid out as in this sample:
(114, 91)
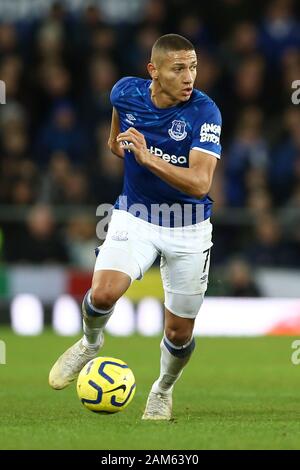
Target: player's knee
(178, 337)
(103, 298)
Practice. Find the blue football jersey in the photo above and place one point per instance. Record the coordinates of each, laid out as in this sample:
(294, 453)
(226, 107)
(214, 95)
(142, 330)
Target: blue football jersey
(170, 134)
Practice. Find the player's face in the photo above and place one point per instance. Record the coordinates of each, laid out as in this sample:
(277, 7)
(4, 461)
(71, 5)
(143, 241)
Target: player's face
(177, 73)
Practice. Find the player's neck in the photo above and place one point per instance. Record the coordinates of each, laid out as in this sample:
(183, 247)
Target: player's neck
(159, 98)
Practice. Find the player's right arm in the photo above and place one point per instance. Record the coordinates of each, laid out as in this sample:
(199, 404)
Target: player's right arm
(114, 132)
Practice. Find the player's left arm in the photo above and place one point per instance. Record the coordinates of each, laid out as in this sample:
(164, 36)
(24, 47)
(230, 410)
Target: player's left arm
(195, 180)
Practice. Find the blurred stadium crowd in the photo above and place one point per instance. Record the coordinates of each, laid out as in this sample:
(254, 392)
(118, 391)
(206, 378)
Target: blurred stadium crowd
(59, 70)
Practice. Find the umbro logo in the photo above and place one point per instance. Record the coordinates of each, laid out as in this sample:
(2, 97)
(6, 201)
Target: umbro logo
(130, 119)
(120, 236)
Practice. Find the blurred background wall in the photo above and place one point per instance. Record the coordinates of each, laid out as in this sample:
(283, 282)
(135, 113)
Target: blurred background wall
(59, 61)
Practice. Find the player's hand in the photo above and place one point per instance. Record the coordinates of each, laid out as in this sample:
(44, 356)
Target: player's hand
(134, 141)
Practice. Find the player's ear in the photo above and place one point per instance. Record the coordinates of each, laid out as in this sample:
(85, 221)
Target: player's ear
(152, 71)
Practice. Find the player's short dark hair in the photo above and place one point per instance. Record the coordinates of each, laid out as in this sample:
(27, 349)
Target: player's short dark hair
(172, 42)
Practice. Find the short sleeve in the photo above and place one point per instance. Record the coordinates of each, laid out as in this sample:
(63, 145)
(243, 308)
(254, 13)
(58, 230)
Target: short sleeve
(118, 90)
(207, 131)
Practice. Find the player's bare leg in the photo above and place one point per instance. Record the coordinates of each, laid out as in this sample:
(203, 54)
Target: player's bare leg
(176, 349)
(97, 307)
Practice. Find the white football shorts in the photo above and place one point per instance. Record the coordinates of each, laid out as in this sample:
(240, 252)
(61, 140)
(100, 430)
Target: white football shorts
(132, 245)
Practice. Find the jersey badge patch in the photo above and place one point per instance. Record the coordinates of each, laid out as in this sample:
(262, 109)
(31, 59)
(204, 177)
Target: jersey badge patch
(177, 131)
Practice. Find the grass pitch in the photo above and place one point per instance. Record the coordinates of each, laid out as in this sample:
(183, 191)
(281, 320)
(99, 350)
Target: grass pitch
(234, 394)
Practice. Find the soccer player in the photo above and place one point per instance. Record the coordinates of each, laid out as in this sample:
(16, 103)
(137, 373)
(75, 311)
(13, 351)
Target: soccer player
(168, 134)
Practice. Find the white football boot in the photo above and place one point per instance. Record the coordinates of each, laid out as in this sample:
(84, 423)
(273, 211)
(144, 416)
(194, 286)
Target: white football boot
(158, 406)
(70, 363)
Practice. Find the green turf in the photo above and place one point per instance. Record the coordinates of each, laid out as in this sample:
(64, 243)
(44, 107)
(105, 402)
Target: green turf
(235, 394)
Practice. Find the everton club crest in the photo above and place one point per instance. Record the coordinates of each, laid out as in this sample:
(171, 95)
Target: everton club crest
(177, 131)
